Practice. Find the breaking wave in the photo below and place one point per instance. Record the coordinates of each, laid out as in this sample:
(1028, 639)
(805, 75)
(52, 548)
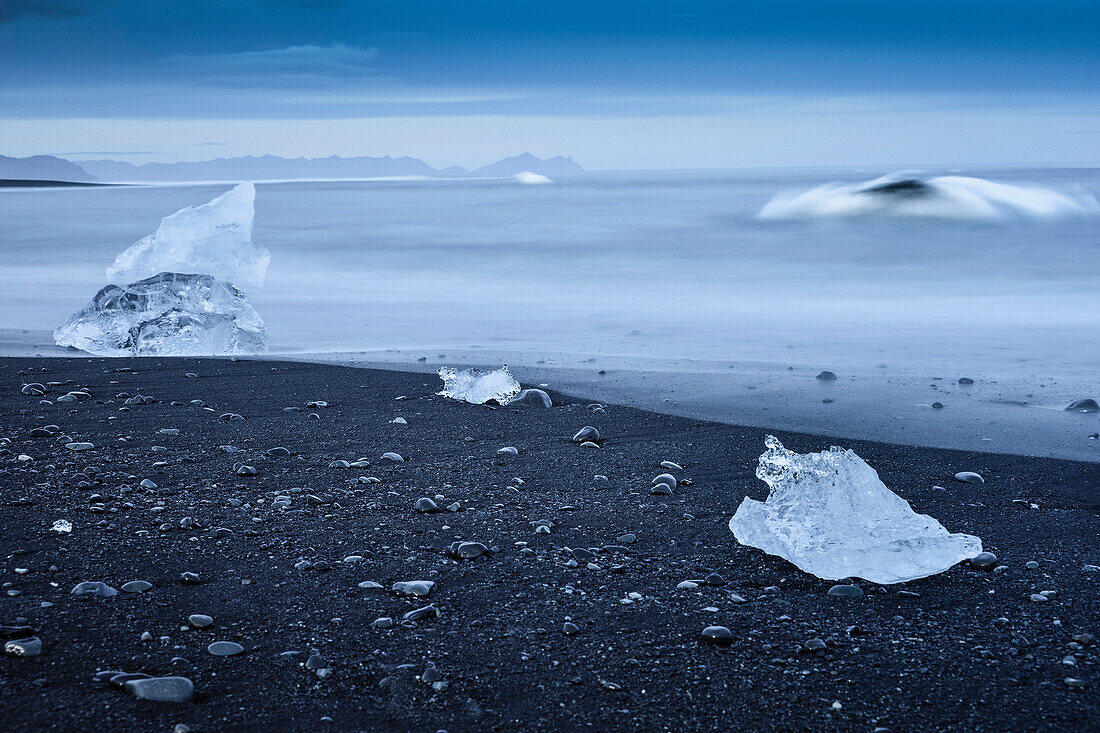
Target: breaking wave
(943, 197)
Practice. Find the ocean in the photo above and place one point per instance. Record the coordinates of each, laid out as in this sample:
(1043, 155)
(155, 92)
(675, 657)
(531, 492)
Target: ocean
(672, 270)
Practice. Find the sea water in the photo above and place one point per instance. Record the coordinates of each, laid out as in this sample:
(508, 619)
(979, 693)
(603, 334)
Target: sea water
(674, 271)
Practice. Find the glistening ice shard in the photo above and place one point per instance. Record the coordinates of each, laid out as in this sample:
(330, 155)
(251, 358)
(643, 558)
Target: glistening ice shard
(477, 387)
(212, 239)
(829, 514)
(170, 314)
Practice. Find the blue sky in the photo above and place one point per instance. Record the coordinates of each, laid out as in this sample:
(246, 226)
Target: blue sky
(617, 84)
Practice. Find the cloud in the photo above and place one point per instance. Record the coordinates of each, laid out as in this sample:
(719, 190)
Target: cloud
(12, 9)
(309, 62)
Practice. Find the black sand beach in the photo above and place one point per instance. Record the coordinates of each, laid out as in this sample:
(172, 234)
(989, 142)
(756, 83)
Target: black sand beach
(964, 650)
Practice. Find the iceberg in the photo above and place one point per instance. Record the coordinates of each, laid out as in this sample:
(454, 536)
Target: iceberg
(169, 314)
(477, 387)
(531, 179)
(829, 514)
(213, 239)
(936, 198)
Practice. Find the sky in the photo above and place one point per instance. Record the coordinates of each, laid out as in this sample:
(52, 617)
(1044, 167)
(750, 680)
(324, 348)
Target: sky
(639, 84)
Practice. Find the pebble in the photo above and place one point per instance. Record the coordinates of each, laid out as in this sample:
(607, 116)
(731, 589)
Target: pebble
(189, 578)
(846, 591)
(1039, 598)
(419, 614)
(814, 645)
(136, 586)
(200, 620)
(1086, 405)
(1032, 565)
(587, 434)
(225, 649)
(94, 588)
(531, 398)
(969, 477)
(471, 550)
(717, 636)
(426, 506)
(508, 450)
(983, 561)
(664, 478)
(419, 588)
(570, 629)
(246, 471)
(391, 456)
(826, 376)
(79, 446)
(162, 689)
(383, 622)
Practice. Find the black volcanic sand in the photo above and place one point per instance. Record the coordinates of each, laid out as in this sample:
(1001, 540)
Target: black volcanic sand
(965, 650)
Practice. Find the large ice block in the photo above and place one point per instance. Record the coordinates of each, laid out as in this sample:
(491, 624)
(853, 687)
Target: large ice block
(829, 514)
(477, 387)
(170, 314)
(212, 239)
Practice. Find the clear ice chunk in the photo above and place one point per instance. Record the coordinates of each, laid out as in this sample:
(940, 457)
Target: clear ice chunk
(212, 239)
(477, 387)
(170, 314)
(829, 514)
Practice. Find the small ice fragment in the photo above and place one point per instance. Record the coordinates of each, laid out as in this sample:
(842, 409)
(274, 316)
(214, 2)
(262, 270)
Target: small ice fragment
(529, 178)
(477, 387)
(62, 525)
(829, 514)
(213, 239)
(169, 314)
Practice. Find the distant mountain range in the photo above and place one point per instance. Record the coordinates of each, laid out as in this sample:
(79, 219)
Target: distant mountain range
(266, 167)
(43, 168)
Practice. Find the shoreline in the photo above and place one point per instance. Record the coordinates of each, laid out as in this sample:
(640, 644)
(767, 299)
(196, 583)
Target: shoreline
(1014, 415)
(281, 577)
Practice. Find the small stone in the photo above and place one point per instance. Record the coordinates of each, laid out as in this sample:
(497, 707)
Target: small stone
(983, 561)
(420, 614)
(570, 629)
(814, 645)
(225, 649)
(162, 689)
(471, 550)
(247, 471)
(587, 434)
(136, 586)
(79, 446)
(846, 591)
(189, 578)
(969, 477)
(626, 539)
(1039, 598)
(531, 398)
(1086, 405)
(200, 620)
(1032, 565)
(391, 456)
(426, 506)
(94, 588)
(383, 622)
(508, 450)
(716, 636)
(419, 588)
(664, 478)
(826, 376)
